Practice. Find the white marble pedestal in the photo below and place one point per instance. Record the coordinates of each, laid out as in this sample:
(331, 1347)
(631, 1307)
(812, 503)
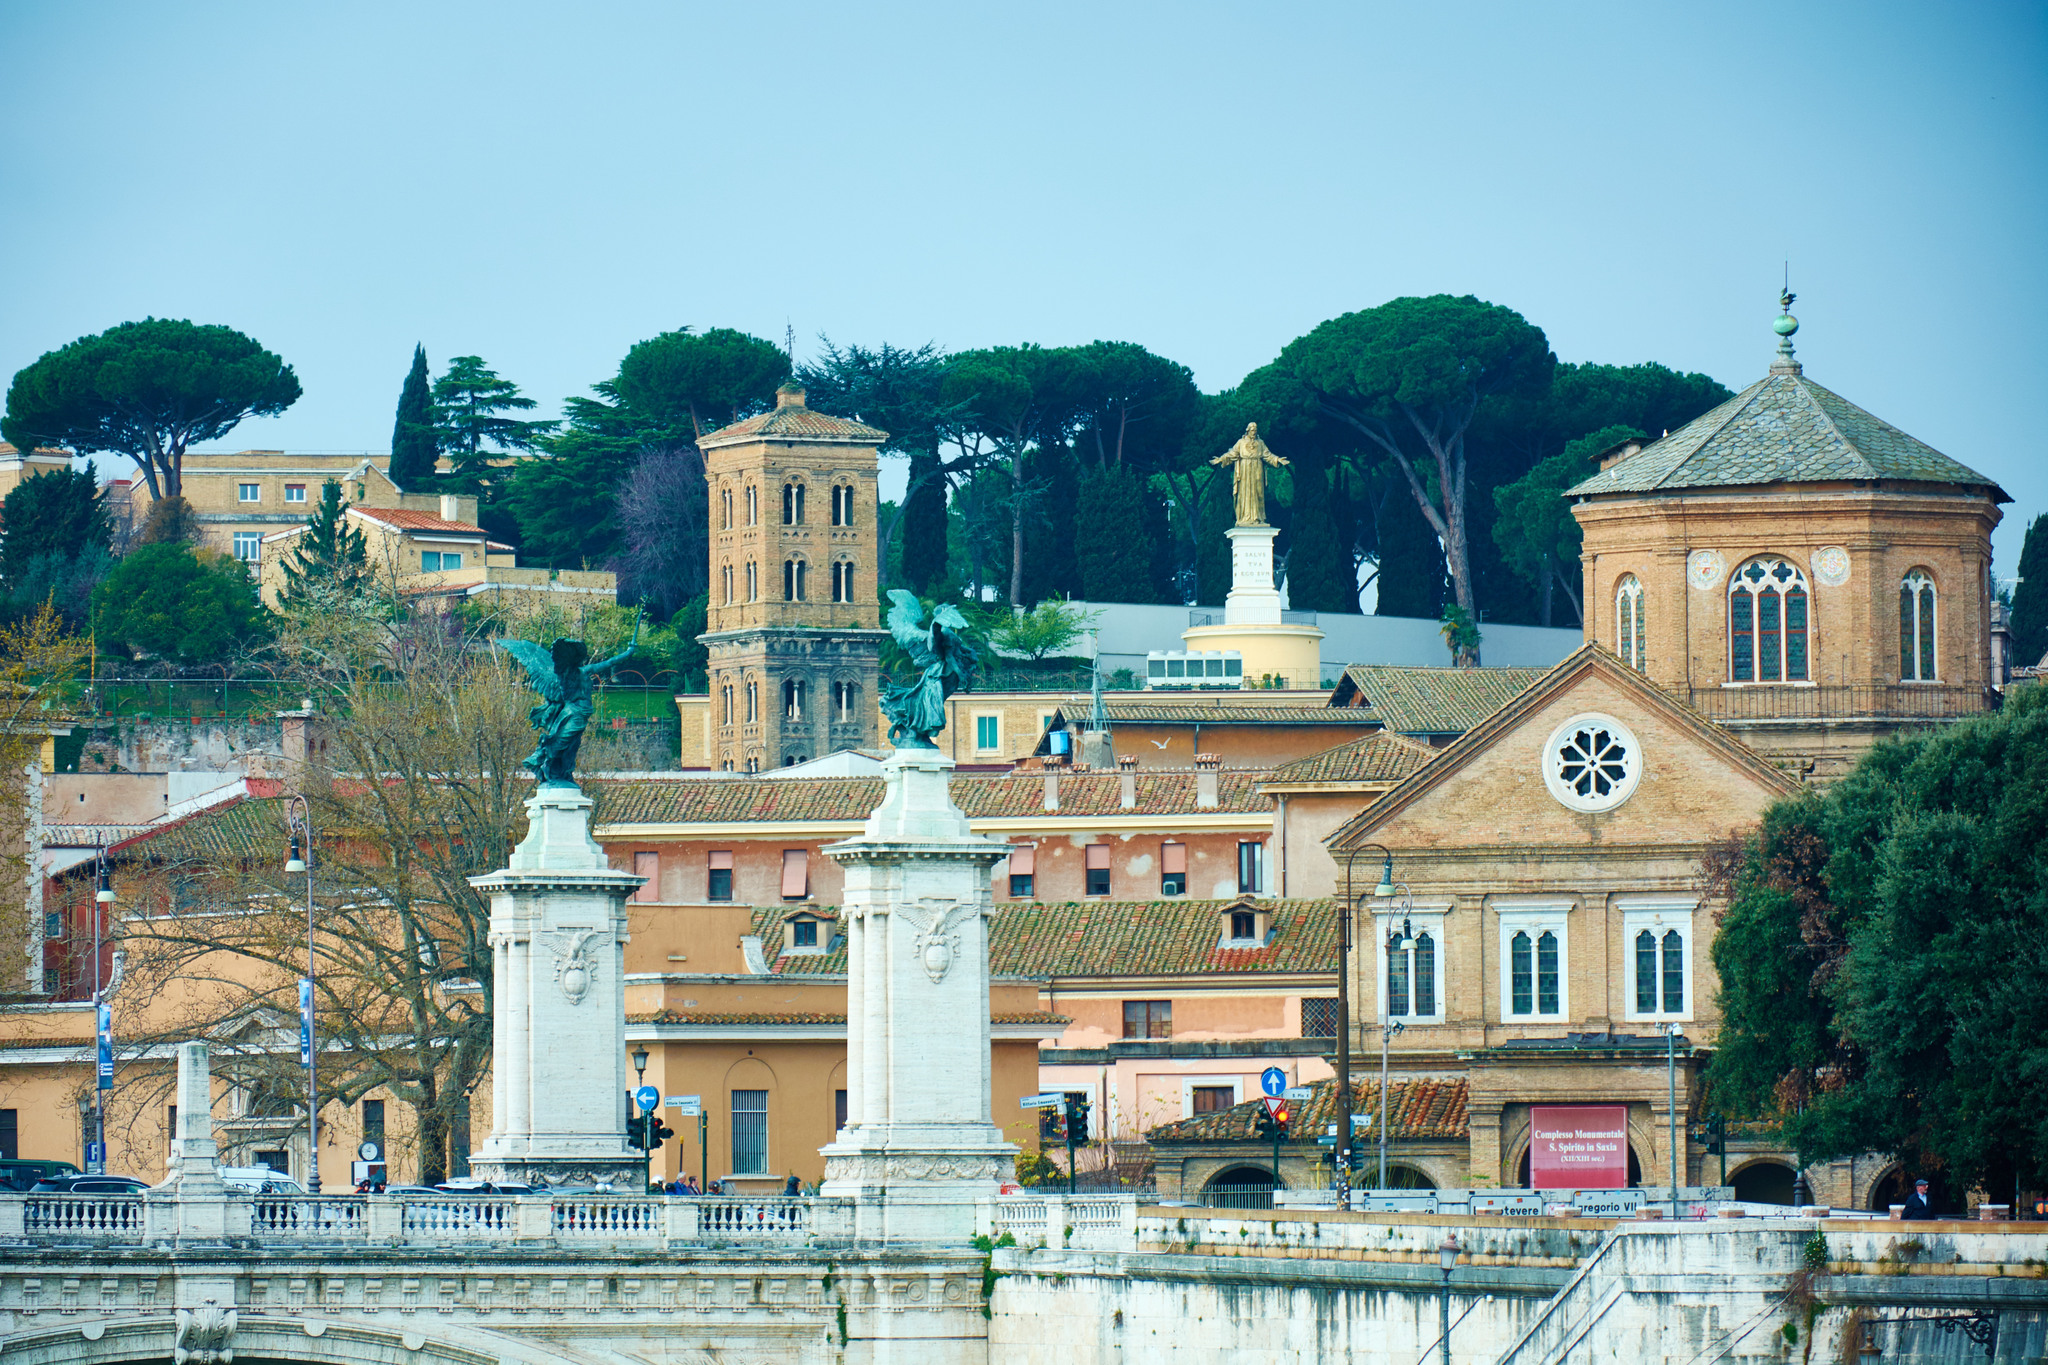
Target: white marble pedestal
(918, 1152)
(1274, 653)
(558, 952)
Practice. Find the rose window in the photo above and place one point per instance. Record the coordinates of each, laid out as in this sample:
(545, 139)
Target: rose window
(1591, 763)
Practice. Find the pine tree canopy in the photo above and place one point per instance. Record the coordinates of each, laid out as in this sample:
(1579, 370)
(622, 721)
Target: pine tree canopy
(329, 553)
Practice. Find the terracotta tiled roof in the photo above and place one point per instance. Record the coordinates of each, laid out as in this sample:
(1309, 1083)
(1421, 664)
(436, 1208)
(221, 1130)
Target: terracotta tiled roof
(1107, 938)
(719, 800)
(1428, 1108)
(1437, 701)
(1379, 757)
(240, 827)
(1227, 713)
(711, 1017)
(1782, 429)
(1154, 938)
(790, 420)
(404, 519)
(19, 1044)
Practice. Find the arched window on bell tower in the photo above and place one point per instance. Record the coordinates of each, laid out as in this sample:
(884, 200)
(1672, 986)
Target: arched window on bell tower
(1628, 622)
(1768, 630)
(792, 504)
(792, 580)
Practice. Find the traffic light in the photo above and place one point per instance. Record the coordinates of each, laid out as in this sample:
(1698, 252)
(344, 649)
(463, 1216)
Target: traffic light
(1052, 1124)
(1272, 1123)
(636, 1134)
(1717, 1135)
(658, 1132)
(1077, 1118)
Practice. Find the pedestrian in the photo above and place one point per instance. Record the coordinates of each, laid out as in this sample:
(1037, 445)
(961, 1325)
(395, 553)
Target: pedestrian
(1916, 1202)
(690, 1185)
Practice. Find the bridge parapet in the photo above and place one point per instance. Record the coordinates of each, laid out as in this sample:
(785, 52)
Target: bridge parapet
(428, 1222)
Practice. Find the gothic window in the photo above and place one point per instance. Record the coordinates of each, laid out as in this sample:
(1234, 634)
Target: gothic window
(1522, 971)
(792, 580)
(1658, 940)
(753, 582)
(725, 509)
(1397, 978)
(1646, 972)
(753, 505)
(1916, 628)
(725, 580)
(845, 696)
(753, 702)
(842, 581)
(793, 698)
(842, 505)
(725, 704)
(1768, 605)
(1628, 622)
(792, 504)
(1425, 974)
(1674, 972)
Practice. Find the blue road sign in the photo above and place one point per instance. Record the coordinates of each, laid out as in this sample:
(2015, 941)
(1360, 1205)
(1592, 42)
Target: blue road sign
(647, 1097)
(1273, 1081)
(95, 1153)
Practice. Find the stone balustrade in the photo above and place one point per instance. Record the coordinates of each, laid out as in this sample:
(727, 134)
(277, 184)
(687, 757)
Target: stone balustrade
(597, 1222)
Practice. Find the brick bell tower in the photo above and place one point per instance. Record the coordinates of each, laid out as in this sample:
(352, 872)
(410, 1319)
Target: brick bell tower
(794, 632)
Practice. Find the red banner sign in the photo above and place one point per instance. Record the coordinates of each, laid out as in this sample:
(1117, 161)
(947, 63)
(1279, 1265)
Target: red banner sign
(1578, 1146)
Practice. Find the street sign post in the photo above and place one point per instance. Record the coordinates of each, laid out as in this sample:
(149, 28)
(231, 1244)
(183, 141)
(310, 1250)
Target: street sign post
(691, 1106)
(648, 1098)
(1041, 1101)
(1297, 1093)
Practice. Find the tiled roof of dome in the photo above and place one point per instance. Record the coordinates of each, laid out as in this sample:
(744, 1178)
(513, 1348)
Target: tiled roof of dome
(1782, 429)
(791, 420)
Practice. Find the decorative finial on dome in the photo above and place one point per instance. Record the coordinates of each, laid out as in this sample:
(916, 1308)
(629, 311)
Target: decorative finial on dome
(1785, 326)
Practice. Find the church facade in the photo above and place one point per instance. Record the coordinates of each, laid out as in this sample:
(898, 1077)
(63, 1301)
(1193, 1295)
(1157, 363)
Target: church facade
(1770, 590)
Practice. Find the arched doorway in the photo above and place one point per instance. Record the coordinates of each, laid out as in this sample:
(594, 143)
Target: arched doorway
(1401, 1177)
(1766, 1182)
(1635, 1169)
(1240, 1187)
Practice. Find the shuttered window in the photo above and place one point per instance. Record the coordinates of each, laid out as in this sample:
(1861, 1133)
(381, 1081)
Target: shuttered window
(720, 887)
(1173, 869)
(1098, 869)
(648, 865)
(1023, 864)
(796, 873)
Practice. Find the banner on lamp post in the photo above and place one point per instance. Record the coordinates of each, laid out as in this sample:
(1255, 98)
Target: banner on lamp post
(1578, 1146)
(305, 1021)
(104, 1026)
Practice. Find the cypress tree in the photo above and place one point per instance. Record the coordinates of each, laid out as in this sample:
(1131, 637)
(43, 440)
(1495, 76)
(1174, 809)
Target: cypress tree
(412, 435)
(330, 553)
(2030, 598)
(1112, 536)
(923, 534)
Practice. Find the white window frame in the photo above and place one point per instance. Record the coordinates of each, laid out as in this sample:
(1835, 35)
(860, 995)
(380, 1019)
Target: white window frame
(1532, 915)
(248, 492)
(252, 541)
(978, 718)
(1187, 1091)
(297, 488)
(1658, 913)
(1424, 917)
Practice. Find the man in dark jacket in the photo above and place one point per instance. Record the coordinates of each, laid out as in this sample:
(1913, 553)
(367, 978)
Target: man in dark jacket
(1916, 1202)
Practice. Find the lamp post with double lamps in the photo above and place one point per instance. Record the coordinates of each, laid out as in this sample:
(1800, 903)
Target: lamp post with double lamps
(102, 1015)
(299, 818)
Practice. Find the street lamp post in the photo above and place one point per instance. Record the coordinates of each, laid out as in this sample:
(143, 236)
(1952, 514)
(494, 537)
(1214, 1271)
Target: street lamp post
(646, 1128)
(1384, 891)
(1671, 1104)
(1447, 1256)
(299, 816)
(103, 1069)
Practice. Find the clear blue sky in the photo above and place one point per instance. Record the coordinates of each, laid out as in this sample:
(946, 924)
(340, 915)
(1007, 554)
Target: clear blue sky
(544, 185)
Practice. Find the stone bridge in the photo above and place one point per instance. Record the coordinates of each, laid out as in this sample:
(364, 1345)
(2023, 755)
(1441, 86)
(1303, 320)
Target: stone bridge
(618, 1280)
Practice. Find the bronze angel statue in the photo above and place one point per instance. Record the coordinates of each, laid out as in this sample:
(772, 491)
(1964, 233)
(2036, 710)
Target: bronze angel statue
(563, 680)
(945, 662)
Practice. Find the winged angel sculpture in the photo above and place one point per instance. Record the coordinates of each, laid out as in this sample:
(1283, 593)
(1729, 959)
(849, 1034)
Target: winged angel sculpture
(945, 662)
(563, 680)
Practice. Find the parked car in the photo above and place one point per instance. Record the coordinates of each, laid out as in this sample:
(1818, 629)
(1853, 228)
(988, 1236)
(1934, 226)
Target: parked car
(259, 1180)
(488, 1187)
(23, 1173)
(89, 1184)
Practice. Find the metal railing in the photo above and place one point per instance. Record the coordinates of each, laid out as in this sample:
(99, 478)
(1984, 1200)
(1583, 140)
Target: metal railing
(1237, 1197)
(1792, 701)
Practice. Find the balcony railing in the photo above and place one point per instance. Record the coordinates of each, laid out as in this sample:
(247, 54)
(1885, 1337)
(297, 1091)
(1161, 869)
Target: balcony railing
(1792, 701)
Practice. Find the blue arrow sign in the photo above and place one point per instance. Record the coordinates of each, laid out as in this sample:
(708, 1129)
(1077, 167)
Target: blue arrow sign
(1273, 1081)
(647, 1097)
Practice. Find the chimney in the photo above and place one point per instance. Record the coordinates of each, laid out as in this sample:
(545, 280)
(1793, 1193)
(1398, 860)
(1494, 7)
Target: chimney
(451, 507)
(1127, 774)
(1052, 788)
(789, 396)
(1205, 780)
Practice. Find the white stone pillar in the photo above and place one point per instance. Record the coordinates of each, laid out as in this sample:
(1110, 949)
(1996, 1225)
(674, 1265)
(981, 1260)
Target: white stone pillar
(920, 1155)
(1253, 600)
(195, 1155)
(558, 953)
